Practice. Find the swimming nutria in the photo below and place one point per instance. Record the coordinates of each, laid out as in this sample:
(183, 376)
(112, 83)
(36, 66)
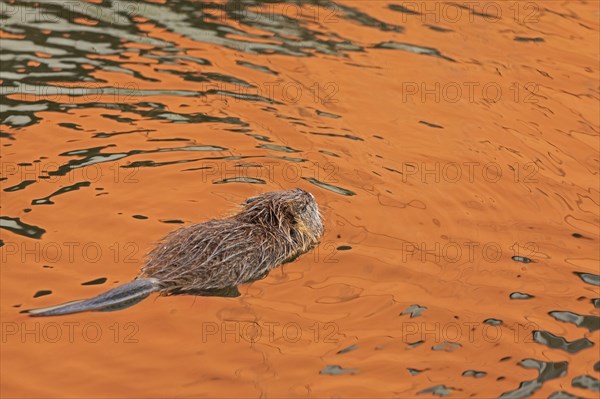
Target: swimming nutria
(271, 229)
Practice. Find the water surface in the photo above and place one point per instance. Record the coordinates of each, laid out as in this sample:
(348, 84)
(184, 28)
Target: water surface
(453, 149)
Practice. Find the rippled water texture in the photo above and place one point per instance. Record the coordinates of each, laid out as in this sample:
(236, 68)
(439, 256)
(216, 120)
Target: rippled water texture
(452, 147)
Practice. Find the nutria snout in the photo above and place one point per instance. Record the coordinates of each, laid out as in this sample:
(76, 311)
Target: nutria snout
(271, 229)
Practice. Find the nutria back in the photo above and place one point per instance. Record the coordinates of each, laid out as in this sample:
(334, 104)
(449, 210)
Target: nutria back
(271, 229)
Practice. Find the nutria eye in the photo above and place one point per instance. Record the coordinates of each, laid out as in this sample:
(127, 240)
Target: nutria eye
(249, 200)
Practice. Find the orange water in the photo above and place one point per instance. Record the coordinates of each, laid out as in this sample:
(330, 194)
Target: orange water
(434, 166)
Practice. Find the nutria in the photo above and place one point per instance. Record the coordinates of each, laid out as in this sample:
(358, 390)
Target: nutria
(272, 228)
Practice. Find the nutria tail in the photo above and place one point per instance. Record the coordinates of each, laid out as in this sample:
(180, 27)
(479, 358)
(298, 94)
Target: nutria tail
(116, 299)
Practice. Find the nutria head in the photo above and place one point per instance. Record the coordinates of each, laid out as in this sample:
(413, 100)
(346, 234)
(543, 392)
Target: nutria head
(293, 214)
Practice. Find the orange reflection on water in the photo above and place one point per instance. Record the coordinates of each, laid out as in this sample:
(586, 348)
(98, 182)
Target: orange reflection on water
(445, 151)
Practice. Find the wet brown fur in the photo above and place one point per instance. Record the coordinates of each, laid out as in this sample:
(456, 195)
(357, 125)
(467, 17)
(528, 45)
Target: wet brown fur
(272, 228)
